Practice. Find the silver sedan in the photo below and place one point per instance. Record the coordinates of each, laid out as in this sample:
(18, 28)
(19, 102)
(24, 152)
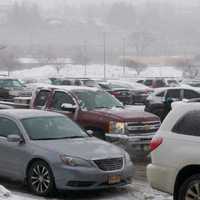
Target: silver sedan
(49, 151)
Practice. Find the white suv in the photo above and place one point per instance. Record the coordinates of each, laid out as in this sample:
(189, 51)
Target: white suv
(175, 167)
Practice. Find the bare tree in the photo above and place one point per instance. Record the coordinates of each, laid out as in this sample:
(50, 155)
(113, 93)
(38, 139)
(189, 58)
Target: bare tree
(141, 40)
(137, 66)
(9, 61)
(50, 57)
(188, 66)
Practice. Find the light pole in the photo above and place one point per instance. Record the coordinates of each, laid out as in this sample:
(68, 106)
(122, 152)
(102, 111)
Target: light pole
(104, 54)
(124, 55)
(85, 58)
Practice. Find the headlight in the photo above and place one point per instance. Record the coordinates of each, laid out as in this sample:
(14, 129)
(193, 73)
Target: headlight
(117, 127)
(75, 162)
(127, 158)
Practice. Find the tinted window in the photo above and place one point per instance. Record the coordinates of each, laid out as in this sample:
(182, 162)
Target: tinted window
(8, 127)
(148, 82)
(77, 82)
(67, 82)
(160, 94)
(189, 94)
(41, 98)
(159, 83)
(174, 94)
(60, 98)
(189, 124)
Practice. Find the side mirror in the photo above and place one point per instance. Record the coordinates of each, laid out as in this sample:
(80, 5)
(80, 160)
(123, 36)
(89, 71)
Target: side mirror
(14, 138)
(68, 107)
(90, 133)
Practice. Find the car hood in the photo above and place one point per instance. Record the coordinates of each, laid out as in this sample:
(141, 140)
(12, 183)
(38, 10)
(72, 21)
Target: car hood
(87, 148)
(126, 115)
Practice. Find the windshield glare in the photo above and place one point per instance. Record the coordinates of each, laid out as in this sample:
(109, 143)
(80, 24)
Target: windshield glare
(51, 128)
(97, 99)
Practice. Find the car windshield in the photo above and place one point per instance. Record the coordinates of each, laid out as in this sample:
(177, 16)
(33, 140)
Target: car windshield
(97, 99)
(10, 83)
(52, 128)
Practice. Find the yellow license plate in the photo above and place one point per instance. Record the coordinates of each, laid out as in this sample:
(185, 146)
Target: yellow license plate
(114, 180)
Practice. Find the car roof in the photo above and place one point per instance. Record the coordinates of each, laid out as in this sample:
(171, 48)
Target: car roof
(71, 88)
(26, 113)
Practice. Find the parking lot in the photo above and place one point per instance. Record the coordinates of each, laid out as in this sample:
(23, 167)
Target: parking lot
(138, 190)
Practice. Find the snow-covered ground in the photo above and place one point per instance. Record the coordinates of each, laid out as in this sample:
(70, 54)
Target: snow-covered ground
(95, 71)
(139, 190)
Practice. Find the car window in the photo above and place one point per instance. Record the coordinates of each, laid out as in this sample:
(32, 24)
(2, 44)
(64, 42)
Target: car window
(77, 82)
(148, 82)
(8, 127)
(96, 100)
(60, 98)
(67, 82)
(189, 124)
(173, 93)
(159, 83)
(160, 94)
(189, 94)
(41, 98)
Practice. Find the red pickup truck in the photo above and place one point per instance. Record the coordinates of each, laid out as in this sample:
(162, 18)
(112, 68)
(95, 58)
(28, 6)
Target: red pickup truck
(99, 111)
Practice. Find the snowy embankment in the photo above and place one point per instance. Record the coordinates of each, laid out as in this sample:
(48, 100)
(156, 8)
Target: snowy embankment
(95, 71)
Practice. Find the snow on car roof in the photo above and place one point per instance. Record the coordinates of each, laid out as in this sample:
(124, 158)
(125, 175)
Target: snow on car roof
(26, 113)
(71, 88)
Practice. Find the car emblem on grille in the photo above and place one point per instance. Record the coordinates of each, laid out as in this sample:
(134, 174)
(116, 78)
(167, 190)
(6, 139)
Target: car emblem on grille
(147, 127)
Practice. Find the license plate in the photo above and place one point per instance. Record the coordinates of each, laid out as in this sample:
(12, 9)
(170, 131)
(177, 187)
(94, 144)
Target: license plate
(114, 180)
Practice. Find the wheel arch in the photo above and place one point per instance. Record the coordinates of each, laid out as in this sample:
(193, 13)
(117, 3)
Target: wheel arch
(183, 174)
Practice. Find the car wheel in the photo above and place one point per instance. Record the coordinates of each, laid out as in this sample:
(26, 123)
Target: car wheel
(190, 189)
(40, 179)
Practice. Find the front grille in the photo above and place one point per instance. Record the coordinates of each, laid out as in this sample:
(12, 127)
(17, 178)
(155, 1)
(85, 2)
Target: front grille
(111, 164)
(143, 127)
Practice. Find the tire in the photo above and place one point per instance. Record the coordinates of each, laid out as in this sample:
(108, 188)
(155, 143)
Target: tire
(40, 179)
(190, 188)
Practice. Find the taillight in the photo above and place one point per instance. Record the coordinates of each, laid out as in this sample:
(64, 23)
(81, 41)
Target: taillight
(155, 143)
(115, 93)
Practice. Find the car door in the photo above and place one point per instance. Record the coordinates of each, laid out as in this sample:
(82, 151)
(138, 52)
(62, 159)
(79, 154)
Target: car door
(59, 98)
(12, 155)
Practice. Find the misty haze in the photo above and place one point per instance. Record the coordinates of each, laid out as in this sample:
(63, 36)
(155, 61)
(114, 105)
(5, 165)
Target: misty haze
(99, 99)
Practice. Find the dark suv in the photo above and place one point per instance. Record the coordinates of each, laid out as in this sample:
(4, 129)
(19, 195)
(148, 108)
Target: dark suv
(160, 101)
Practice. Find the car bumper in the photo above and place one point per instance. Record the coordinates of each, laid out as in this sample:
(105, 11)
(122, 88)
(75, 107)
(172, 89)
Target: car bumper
(77, 178)
(161, 178)
(137, 146)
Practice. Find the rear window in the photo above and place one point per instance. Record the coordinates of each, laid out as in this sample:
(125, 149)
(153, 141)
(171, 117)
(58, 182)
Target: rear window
(189, 124)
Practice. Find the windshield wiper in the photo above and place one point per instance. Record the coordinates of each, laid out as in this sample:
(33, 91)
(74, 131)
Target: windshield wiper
(73, 137)
(99, 107)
